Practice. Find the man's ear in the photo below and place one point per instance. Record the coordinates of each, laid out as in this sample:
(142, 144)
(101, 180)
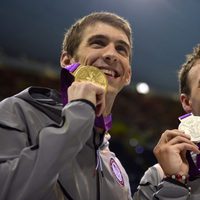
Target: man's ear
(65, 59)
(186, 103)
(128, 76)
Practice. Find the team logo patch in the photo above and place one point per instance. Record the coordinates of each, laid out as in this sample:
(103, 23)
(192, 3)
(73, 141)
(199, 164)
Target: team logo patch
(116, 172)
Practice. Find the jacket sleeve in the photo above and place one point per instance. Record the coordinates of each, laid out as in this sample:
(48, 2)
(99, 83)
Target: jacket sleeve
(171, 190)
(153, 187)
(32, 171)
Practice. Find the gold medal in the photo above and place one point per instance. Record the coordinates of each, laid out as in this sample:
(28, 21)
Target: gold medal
(92, 74)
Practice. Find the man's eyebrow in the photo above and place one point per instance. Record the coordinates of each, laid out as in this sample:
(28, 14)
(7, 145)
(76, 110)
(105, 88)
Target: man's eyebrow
(94, 37)
(122, 42)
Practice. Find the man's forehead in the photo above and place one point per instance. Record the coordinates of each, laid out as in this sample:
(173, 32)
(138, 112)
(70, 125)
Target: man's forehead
(193, 74)
(101, 28)
(197, 62)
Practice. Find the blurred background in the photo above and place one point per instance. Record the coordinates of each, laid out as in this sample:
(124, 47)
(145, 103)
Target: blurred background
(31, 34)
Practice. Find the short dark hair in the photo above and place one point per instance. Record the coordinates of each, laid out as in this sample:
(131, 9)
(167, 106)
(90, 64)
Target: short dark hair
(186, 67)
(73, 36)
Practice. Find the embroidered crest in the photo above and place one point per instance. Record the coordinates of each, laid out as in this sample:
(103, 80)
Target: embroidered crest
(116, 172)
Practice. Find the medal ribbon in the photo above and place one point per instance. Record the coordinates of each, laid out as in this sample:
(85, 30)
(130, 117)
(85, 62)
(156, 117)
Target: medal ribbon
(66, 80)
(194, 169)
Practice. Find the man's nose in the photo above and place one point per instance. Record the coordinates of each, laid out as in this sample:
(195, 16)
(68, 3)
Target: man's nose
(110, 54)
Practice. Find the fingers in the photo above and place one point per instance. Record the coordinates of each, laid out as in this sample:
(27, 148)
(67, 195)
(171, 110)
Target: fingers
(89, 91)
(170, 134)
(186, 146)
(178, 138)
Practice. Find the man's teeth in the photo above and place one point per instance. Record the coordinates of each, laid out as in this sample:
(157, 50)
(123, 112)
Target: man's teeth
(108, 72)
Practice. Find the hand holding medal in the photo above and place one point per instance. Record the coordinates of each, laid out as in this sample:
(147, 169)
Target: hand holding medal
(77, 72)
(96, 77)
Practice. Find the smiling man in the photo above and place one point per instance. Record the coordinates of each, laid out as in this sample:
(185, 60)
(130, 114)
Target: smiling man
(53, 151)
(107, 48)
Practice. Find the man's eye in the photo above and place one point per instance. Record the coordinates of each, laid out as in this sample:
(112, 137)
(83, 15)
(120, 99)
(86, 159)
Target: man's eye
(122, 50)
(98, 43)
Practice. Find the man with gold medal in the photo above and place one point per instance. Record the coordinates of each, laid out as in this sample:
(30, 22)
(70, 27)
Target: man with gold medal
(56, 147)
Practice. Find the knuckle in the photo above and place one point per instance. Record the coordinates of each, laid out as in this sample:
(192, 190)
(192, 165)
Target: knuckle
(156, 149)
(161, 149)
(166, 132)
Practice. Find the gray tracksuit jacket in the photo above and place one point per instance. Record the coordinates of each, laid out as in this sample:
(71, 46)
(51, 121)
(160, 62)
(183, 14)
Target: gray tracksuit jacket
(152, 187)
(48, 152)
